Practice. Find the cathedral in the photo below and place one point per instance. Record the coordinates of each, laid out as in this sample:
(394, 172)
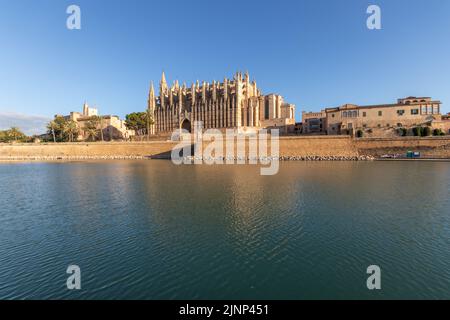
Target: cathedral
(236, 103)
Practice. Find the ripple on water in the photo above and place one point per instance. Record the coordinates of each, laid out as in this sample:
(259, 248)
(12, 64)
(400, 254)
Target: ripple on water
(150, 230)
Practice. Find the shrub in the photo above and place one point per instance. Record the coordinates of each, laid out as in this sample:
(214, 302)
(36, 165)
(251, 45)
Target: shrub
(402, 132)
(359, 133)
(438, 132)
(426, 131)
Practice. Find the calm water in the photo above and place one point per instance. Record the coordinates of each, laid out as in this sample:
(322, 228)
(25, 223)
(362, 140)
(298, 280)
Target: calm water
(151, 230)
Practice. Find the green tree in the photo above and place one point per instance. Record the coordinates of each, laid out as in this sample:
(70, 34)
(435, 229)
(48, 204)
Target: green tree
(71, 130)
(56, 128)
(139, 122)
(91, 129)
(13, 134)
(97, 121)
(62, 129)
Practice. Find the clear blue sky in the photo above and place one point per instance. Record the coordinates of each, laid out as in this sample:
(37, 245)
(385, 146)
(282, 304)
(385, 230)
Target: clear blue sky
(315, 53)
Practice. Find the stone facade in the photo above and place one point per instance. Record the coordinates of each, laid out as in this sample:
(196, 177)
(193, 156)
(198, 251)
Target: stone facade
(379, 119)
(113, 128)
(314, 122)
(236, 103)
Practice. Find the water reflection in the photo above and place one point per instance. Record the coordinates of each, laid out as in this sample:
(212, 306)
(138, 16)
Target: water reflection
(150, 229)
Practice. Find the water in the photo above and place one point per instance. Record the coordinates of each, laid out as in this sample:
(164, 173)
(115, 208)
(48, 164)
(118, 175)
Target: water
(151, 230)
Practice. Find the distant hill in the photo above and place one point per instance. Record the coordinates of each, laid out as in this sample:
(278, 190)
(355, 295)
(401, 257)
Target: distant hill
(29, 124)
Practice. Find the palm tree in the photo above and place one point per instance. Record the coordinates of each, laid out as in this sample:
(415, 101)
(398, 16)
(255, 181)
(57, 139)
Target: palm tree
(51, 127)
(97, 122)
(90, 129)
(71, 129)
(101, 127)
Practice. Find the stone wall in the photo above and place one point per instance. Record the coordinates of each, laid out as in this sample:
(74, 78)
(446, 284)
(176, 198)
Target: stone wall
(289, 146)
(431, 147)
(96, 149)
(322, 146)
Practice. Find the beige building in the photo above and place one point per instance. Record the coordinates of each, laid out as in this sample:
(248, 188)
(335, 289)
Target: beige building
(314, 122)
(443, 124)
(378, 120)
(236, 103)
(112, 127)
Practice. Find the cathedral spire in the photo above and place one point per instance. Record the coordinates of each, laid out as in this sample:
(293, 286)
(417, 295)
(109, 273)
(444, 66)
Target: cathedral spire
(152, 90)
(151, 98)
(163, 90)
(225, 88)
(163, 78)
(214, 90)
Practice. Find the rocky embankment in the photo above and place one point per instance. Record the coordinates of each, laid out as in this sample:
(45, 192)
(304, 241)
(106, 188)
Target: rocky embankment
(71, 158)
(133, 157)
(327, 158)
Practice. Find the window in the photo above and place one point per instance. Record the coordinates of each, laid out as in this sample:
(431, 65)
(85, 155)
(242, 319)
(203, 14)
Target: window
(430, 110)
(414, 111)
(380, 113)
(436, 110)
(424, 110)
(379, 125)
(332, 115)
(400, 112)
(344, 114)
(364, 114)
(354, 114)
(266, 110)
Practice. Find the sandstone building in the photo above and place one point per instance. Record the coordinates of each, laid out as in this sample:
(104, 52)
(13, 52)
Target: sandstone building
(378, 120)
(112, 127)
(314, 122)
(236, 103)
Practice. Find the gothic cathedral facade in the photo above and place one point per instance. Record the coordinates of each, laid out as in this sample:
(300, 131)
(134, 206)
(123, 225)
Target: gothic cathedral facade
(236, 103)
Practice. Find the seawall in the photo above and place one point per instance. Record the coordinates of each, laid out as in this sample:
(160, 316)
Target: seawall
(429, 147)
(311, 146)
